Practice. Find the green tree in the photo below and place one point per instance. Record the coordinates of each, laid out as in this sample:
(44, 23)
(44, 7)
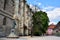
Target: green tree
(40, 23)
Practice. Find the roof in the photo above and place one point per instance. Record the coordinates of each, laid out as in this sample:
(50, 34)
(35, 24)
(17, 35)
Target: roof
(52, 26)
(58, 24)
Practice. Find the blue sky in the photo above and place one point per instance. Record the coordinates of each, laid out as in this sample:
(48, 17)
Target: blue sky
(51, 7)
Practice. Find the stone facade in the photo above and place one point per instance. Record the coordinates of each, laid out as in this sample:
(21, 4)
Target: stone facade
(19, 11)
(1, 2)
(25, 19)
(6, 18)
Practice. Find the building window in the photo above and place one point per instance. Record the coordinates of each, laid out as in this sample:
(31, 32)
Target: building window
(5, 1)
(4, 21)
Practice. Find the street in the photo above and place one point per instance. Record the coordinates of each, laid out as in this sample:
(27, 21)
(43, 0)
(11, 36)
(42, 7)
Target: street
(45, 38)
(34, 38)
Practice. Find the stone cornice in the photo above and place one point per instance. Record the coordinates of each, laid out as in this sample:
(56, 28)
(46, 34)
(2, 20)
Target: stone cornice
(4, 13)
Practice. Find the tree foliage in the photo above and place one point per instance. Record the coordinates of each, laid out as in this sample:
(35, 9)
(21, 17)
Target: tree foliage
(40, 23)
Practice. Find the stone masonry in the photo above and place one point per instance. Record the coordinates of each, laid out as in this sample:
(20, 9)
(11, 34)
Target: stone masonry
(23, 17)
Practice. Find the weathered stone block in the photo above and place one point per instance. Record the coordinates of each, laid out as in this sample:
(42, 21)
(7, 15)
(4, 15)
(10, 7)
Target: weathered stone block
(1, 19)
(1, 4)
(10, 6)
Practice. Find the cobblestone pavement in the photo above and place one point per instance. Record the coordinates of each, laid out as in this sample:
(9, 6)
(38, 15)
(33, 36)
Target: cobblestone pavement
(34, 38)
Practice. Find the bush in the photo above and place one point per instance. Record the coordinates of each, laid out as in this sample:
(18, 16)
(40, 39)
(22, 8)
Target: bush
(37, 34)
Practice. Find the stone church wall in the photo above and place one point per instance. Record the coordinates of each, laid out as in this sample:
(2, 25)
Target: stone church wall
(1, 4)
(10, 6)
(7, 12)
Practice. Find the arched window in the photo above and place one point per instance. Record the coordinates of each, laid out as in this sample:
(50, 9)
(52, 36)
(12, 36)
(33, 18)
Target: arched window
(4, 21)
(5, 1)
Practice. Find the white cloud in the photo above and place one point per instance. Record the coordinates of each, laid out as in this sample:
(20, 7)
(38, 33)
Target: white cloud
(33, 8)
(31, 5)
(44, 10)
(53, 13)
(52, 23)
(39, 4)
(49, 7)
(38, 9)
